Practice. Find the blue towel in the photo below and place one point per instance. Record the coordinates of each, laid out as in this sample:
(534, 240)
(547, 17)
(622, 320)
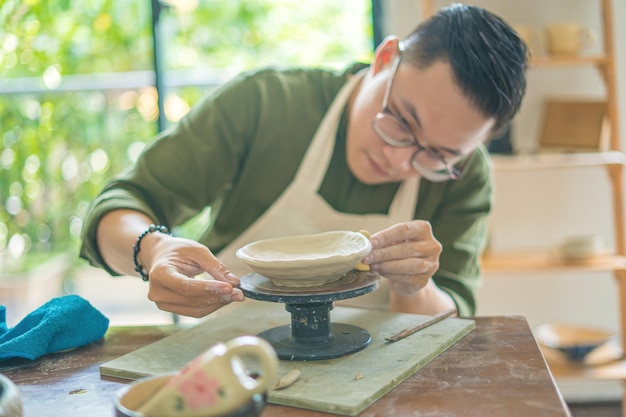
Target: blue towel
(62, 323)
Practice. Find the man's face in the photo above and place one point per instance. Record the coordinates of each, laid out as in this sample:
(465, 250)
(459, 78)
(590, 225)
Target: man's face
(432, 107)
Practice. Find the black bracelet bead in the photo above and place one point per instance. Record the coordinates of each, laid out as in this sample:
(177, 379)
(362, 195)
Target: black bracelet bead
(137, 247)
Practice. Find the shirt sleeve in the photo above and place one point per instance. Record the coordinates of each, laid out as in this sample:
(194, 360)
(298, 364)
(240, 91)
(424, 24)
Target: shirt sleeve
(222, 155)
(169, 181)
(460, 224)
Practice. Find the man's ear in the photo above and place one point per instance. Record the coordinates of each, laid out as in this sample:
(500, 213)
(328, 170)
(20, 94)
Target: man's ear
(385, 54)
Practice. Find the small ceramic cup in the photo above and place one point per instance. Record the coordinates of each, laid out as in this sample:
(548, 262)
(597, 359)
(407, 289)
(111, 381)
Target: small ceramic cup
(568, 38)
(10, 398)
(217, 383)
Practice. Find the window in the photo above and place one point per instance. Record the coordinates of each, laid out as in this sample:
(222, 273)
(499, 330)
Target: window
(77, 95)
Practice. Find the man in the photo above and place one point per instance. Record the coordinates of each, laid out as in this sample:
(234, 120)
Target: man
(395, 148)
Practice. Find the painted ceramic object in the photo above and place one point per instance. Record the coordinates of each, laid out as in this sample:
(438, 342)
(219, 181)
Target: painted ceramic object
(10, 398)
(217, 383)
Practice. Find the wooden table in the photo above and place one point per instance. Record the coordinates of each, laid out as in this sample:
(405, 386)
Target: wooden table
(497, 370)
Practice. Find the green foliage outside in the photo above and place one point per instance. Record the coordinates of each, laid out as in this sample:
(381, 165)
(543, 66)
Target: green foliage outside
(64, 131)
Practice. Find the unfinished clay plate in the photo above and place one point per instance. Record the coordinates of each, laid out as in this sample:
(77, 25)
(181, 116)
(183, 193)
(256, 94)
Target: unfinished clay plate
(306, 260)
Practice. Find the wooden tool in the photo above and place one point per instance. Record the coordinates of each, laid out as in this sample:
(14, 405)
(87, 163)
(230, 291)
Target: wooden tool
(409, 331)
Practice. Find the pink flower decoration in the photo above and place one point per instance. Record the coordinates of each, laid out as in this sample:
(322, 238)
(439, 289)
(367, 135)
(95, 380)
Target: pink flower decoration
(200, 390)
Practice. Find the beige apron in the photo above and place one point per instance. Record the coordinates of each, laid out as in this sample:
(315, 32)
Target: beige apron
(301, 210)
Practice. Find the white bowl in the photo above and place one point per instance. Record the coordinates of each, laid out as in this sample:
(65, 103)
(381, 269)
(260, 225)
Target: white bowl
(582, 247)
(306, 260)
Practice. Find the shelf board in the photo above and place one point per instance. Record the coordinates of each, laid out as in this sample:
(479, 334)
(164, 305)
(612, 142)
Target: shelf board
(611, 371)
(557, 160)
(546, 61)
(548, 261)
(561, 368)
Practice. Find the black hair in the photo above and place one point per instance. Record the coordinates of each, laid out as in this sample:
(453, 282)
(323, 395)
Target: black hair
(488, 58)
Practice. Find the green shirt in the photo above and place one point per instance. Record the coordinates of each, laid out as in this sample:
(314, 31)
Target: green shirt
(239, 148)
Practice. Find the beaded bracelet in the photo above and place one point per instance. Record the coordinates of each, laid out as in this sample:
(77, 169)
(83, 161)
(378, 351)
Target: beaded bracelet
(136, 247)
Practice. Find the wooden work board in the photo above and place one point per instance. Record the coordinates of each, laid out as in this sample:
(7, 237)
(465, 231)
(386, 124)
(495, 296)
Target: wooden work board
(345, 385)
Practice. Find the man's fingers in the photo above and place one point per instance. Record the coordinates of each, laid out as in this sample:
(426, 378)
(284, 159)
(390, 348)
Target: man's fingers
(399, 251)
(404, 267)
(174, 283)
(415, 230)
(211, 265)
(190, 311)
(199, 301)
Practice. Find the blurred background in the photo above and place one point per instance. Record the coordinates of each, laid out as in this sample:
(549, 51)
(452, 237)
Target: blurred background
(78, 102)
(85, 84)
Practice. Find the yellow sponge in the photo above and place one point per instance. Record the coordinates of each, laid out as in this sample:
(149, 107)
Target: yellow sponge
(361, 266)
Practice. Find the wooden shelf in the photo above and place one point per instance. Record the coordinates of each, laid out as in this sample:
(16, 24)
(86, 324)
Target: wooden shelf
(613, 368)
(557, 160)
(612, 371)
(548, 261)
(568, 61)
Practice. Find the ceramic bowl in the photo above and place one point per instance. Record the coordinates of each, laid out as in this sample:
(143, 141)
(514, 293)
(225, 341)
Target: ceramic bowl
(10, 398)
(131, 397)
(306, 260)
(581, 247)
(575, 342)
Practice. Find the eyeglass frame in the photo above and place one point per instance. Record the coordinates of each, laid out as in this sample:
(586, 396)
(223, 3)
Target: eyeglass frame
(453, 173)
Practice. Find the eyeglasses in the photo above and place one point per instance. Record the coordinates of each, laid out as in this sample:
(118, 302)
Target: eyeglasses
(428, 162)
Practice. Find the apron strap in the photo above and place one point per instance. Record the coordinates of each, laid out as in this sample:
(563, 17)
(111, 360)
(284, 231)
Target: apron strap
(319, 153)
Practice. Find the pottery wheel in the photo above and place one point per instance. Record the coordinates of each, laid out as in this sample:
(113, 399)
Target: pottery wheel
(311, 335)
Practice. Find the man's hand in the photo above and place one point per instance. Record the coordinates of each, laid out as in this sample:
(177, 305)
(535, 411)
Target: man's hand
(173, 264)
(407, 254)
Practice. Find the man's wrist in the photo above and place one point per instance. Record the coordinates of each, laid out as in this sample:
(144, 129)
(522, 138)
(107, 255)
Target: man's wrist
(430, 299)
(153, 228)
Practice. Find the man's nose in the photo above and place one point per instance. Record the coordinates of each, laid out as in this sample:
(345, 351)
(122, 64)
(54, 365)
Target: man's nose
(399, 158)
